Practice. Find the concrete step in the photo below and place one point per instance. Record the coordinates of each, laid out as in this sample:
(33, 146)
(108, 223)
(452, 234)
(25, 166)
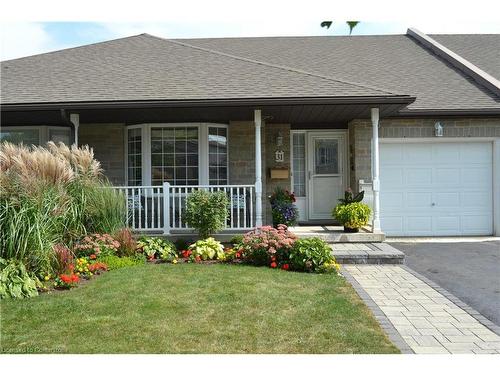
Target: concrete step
(336, 234)
(367, 253)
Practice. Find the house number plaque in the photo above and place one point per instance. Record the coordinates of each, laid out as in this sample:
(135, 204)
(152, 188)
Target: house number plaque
(279, 156)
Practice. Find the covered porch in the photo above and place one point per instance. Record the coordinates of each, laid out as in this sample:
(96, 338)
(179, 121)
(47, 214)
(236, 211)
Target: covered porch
(245, 148)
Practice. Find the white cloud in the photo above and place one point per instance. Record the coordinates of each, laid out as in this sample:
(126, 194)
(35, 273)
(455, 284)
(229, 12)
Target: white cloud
(20, 39)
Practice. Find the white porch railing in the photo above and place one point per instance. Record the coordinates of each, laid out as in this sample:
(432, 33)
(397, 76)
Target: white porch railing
(147, 205)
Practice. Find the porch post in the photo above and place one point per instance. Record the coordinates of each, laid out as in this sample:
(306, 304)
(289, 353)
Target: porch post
(258, 168)
(75, 119)
(375, 171)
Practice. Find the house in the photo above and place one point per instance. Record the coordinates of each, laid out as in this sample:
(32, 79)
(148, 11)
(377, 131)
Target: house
(412, 119)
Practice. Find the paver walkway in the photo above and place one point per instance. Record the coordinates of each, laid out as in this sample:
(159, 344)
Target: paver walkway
(427, 320)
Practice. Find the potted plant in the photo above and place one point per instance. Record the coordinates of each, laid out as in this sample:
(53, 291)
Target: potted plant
(283, 208)
(351, 212)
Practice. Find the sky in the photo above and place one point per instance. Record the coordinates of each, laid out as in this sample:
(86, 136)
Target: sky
(28, 30)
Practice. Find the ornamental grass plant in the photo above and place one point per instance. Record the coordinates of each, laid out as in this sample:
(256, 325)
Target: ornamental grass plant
(52, 196)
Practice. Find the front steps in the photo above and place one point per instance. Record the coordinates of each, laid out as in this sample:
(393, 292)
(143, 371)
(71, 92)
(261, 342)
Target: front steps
(336, 234)
(367, 253)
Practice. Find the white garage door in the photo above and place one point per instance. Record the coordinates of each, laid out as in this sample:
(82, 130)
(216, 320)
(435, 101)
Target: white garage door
(436, 189)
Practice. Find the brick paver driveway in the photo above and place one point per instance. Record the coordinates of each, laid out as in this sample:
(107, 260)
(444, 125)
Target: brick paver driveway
(427, 320)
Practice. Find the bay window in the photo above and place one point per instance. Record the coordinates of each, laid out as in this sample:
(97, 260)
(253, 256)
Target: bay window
(180, 154)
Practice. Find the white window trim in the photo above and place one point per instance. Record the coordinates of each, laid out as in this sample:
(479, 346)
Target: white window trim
(43, 131)
(203, 148)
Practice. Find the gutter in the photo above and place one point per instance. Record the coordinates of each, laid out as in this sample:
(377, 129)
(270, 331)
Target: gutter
(254, 102)
(477, 74)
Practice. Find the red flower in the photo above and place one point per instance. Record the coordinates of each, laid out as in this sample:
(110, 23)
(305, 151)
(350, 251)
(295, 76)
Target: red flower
(273, 259)
(285, 267)
(92, 256)
(238, 254)
(75, 278)
(274, 265)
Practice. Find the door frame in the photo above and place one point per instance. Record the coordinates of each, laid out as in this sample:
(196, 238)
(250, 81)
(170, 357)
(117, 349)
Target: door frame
(304, 201)
(495, 144)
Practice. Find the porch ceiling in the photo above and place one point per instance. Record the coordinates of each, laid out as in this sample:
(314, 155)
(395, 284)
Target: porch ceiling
(292, 112)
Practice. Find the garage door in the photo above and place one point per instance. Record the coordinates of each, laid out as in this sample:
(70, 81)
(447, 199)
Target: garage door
(436, 189)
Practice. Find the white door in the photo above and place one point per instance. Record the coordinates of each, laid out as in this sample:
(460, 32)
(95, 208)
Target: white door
(436, 189)
(325, 174)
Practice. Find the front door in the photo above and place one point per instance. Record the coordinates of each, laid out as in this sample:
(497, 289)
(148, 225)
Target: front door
(326, 169)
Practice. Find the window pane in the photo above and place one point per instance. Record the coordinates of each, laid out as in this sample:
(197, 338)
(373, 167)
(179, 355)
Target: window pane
(217, 158)
(26, 136)
(60, 135)
(326, 156)
(178, 158)
(134, 149)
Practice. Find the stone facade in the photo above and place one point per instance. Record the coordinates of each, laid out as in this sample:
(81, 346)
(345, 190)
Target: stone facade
(360, 136)
(272, 132)
(108, 143)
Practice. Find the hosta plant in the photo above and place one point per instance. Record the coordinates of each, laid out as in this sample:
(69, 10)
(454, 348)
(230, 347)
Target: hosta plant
(207, 249)
(155, 247)
(15, 282)
(312, 255)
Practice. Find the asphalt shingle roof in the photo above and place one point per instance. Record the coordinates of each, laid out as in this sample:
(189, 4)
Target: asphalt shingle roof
(145, 67)
(482, 50)
(393, 62)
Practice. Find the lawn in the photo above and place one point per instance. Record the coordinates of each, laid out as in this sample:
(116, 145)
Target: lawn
(193, 308)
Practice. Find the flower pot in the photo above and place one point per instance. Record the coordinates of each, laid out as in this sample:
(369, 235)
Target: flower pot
(351, 230)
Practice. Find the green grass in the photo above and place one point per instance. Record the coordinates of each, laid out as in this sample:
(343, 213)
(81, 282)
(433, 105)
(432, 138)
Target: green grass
(190, 308)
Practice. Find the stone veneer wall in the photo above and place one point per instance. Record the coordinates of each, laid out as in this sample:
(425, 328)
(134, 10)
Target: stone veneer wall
(272, 131)
(242, 157)
(108, 143)
(360, 135)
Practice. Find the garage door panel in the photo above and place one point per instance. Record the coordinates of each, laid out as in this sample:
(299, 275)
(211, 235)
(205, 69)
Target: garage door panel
(446, 224)
(445, 153)
(393, 225)
(446, 176)
(476, 176)
(392, 200)
(447, 199)
(437, 188)
(419, 224)
(476, 199)
(393, 177)
(415, 153)
(475, 152)
(418, 200)
(393, 154)
(477, 224)
(418, 176)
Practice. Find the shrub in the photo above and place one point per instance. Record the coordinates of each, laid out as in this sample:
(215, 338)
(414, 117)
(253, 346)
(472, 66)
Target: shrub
(283, 208)
(97, 245)
(312, 255)
(154, 247)
(15, 282)
(267, 245)
(207, 249)
(352, 215)
(206, 211)
(114, 262)
(128, 245)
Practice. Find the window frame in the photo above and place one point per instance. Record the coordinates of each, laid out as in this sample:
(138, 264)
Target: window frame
(203, 148)
(43, 131)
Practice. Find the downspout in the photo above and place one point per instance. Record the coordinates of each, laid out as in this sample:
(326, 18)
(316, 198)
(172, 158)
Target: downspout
(73, 122)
